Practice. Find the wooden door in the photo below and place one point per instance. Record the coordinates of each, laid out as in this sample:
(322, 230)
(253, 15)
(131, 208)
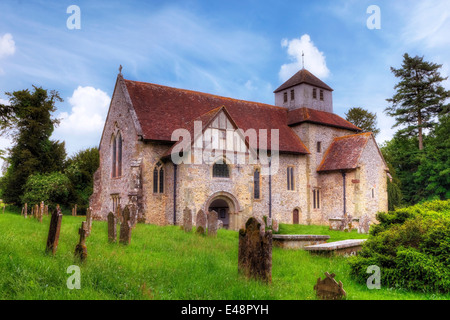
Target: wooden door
(295, 216)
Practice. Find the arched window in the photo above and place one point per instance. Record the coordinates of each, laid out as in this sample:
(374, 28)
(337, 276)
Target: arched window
(116, 156)
(113, 157)
(221, 170)
(256, 184)
(158, 178)
(119, 155)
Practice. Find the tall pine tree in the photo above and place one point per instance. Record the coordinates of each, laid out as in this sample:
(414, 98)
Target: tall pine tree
(419, 96)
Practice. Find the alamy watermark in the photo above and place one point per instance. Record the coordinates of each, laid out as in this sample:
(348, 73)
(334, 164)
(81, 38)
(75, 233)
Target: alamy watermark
(233, 146)
(74, 20)
(74, 281)
(374, 281)
(374, 20)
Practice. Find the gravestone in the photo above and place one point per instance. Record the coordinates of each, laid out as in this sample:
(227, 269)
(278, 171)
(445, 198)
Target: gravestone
(347, 223)
(125, 227)
(119, 213)
(88, 221)
(25, 212)
(219, 224)
(42, 209)
(275, 225)
(364, 224)
(80, 249)
(112, 228)
(53, 231)
(201, 222)
(46, 210)
(212, 223)
(133, 214)
(39, 213)
(187, 220)
(329, 288)
(36, 211)
(255, 251)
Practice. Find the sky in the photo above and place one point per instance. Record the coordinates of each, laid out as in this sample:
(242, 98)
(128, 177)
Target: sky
(239, 49)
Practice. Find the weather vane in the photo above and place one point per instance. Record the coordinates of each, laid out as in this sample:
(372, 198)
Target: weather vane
(303, 60)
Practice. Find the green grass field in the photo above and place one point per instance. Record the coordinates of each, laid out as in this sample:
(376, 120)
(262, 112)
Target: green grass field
(162, 263)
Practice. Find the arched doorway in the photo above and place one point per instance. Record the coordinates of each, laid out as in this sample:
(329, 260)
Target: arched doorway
(295, 216)
(223, 211)
(226, 206)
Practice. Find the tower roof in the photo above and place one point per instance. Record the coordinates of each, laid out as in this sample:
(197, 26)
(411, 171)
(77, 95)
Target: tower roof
(303, 76)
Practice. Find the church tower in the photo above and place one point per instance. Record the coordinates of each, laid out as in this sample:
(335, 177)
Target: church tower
(304, 90)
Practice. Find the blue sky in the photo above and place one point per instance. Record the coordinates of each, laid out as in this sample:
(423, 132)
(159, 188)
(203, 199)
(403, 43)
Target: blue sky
(240, 49)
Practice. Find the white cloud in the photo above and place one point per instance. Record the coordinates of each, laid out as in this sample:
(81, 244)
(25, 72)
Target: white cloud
(314, 59)
(428, 23)
(7, 45)
(82, 127)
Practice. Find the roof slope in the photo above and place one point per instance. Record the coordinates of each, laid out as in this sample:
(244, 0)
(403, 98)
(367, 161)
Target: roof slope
(303, 76)
(344, 152)
(300, 115)
(161, 110)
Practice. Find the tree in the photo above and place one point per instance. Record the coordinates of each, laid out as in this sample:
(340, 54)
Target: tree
(363, 119)
(80, 171)
(419, 97)
(30, 124)
(52, 188)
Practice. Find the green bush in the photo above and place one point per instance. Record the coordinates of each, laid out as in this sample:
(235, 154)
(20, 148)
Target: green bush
(411, 246)
(52, 188)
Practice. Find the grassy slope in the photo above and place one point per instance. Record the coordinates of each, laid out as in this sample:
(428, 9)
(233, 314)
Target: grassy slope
(160, 263)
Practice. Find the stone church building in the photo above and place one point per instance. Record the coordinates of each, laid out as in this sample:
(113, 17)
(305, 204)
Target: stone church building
(295, 161)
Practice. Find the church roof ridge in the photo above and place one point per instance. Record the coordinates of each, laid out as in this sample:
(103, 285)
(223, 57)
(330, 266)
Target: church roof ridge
(303, 76)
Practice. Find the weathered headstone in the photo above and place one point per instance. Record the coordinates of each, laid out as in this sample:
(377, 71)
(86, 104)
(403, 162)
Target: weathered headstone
(36, 211)
(53, 231)
(347, 223)
(255, 251)
(125, 227)
(201, 222)
(88, 221)
(133, 214)
(39, 213)
(212, 223)
(329, 288)
(219, 224)
(119, 214)
(80, 249)
(112, 228)
(25, 212)
(364, 224)
(187, 220)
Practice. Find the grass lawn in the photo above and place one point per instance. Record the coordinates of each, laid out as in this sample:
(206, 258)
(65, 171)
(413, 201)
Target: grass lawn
(162, 263)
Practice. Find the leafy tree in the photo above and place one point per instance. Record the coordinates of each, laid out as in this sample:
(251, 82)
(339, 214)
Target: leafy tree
(52, 188)
(363, 119)
(31, 125)
(419, 96)
(80, 171)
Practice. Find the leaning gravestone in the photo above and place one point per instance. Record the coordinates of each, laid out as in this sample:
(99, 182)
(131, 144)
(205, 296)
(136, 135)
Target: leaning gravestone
(255, 251)
(80, 249)
(112, 228)
(329, 288)
(187, 220)
(53, 232)
(88, 221)
(125, 227)
(201, 222)
(212, 223)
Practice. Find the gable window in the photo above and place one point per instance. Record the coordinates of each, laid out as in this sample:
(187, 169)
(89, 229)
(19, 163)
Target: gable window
(314, 93)
(285, 97)
(292, 95)
(321, 95)
(221, 170)
(116, 156)
(290, 178)
(256, 184)
(316, 198)
(319, 147)
(158, 178)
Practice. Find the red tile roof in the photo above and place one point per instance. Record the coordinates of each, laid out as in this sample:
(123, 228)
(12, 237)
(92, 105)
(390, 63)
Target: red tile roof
(303, 76)
(160, 110)
(300, 115)
(344, 152)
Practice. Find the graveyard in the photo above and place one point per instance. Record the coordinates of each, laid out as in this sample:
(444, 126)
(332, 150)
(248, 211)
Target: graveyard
(164, 263)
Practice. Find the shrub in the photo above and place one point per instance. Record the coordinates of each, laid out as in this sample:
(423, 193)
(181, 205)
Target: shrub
(52, 188)
(411, 246)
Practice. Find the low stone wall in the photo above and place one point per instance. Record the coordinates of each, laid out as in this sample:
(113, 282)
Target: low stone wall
(297, 241)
